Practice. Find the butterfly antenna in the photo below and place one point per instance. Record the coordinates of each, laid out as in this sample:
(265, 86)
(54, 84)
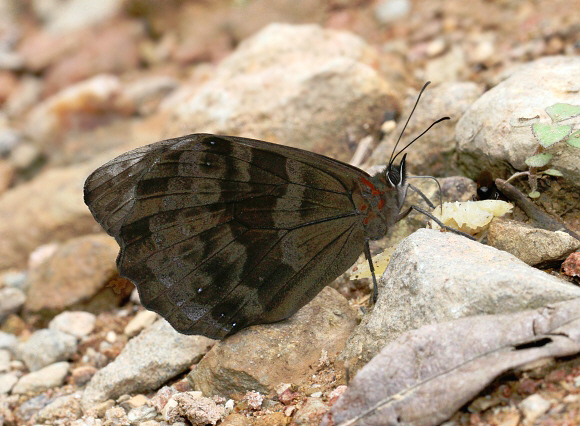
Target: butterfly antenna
(408, 118)
(424, 131)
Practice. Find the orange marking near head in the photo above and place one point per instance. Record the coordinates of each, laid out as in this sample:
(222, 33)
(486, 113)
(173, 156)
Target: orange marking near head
(368, 183)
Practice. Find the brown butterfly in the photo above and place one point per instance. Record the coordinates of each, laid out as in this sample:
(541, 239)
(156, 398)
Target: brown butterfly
(220, 232)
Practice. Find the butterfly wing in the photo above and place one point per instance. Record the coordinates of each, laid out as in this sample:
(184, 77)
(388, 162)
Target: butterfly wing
(219, 233)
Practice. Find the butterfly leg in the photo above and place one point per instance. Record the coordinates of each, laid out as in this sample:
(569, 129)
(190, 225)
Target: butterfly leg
(423, 196)
(441, 224)
(372, 268)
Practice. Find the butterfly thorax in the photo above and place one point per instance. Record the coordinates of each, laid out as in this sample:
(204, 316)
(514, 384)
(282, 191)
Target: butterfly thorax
(382, 197)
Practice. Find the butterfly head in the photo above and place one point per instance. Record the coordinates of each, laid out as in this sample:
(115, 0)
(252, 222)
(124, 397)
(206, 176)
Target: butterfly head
(395, 178)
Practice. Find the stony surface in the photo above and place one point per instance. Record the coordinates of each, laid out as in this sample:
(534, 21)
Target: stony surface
(80, 274)
(80, 84)
(318, 96)
(46, 347)
(45, 378)
(436, 277)
(290, 351)
(78, 323)
(533, 246)
(140, 322)
(146, 362)
(11, 300)
(488, 127)
(46, 209)
(64, 407)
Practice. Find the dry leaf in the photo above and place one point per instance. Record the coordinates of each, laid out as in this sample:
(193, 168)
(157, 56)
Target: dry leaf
(426, 375)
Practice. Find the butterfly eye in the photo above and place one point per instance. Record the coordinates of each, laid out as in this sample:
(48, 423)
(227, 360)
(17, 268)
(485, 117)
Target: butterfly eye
(396, 174)
(393, 175)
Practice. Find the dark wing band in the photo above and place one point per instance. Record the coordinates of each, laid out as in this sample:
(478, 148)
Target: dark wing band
(219, 233)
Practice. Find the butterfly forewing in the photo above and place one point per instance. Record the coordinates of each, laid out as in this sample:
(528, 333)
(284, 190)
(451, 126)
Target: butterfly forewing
(219, 233)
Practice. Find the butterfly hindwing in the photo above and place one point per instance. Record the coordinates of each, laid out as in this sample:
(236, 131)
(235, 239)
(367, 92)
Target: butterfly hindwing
(219, 233)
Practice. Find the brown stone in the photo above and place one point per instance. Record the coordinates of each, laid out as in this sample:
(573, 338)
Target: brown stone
(80, 275)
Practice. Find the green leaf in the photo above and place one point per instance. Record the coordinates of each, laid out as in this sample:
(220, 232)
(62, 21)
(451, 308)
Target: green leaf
(574, 139)
(534, 194)
(553, 172)
(549, 134)
(539, 160)
(560, 112)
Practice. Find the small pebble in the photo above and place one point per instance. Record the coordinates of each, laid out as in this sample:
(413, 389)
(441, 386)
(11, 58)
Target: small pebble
(533, 407)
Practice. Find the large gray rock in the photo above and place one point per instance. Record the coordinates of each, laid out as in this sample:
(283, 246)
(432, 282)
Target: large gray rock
(46, 347)
(156, 355)
(46, 378)
(436, 277)
(297, 85)
(487, 140)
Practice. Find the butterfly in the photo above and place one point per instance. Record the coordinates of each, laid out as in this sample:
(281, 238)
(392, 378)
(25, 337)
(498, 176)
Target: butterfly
(220, 232)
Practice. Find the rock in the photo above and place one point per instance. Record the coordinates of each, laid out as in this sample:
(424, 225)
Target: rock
(25, 156)
(254, 400)
(289, 350)
(533, 407)
(311, 412)
(100, 409)
(7, 382)
(46, 347)
(78, 323)
(4, 360)
(45, 378)
(28, 409)
(116, 416)
(10, 61)
(24, 96)
(156, 355)
(486, 138)
(17, 280)
(40, 49)
(80, 106)
(531, 245)
(74, 14)
(7, 80)
(107, 49)
(48, 208)
(41, 254)
(141, 414)
(449, 67)
(81, 274)
(141, 321)
(433, 153)
(64, 407)
(8, 341)
(11, 300)
(7, 174)
(135, 402)
(387, 11)
(436, 277)
(324, 83)
(9, 140)
(80, 376)
(193, 407)
(150, 422)
(571, 266)
(162, 396)
(146, 94)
